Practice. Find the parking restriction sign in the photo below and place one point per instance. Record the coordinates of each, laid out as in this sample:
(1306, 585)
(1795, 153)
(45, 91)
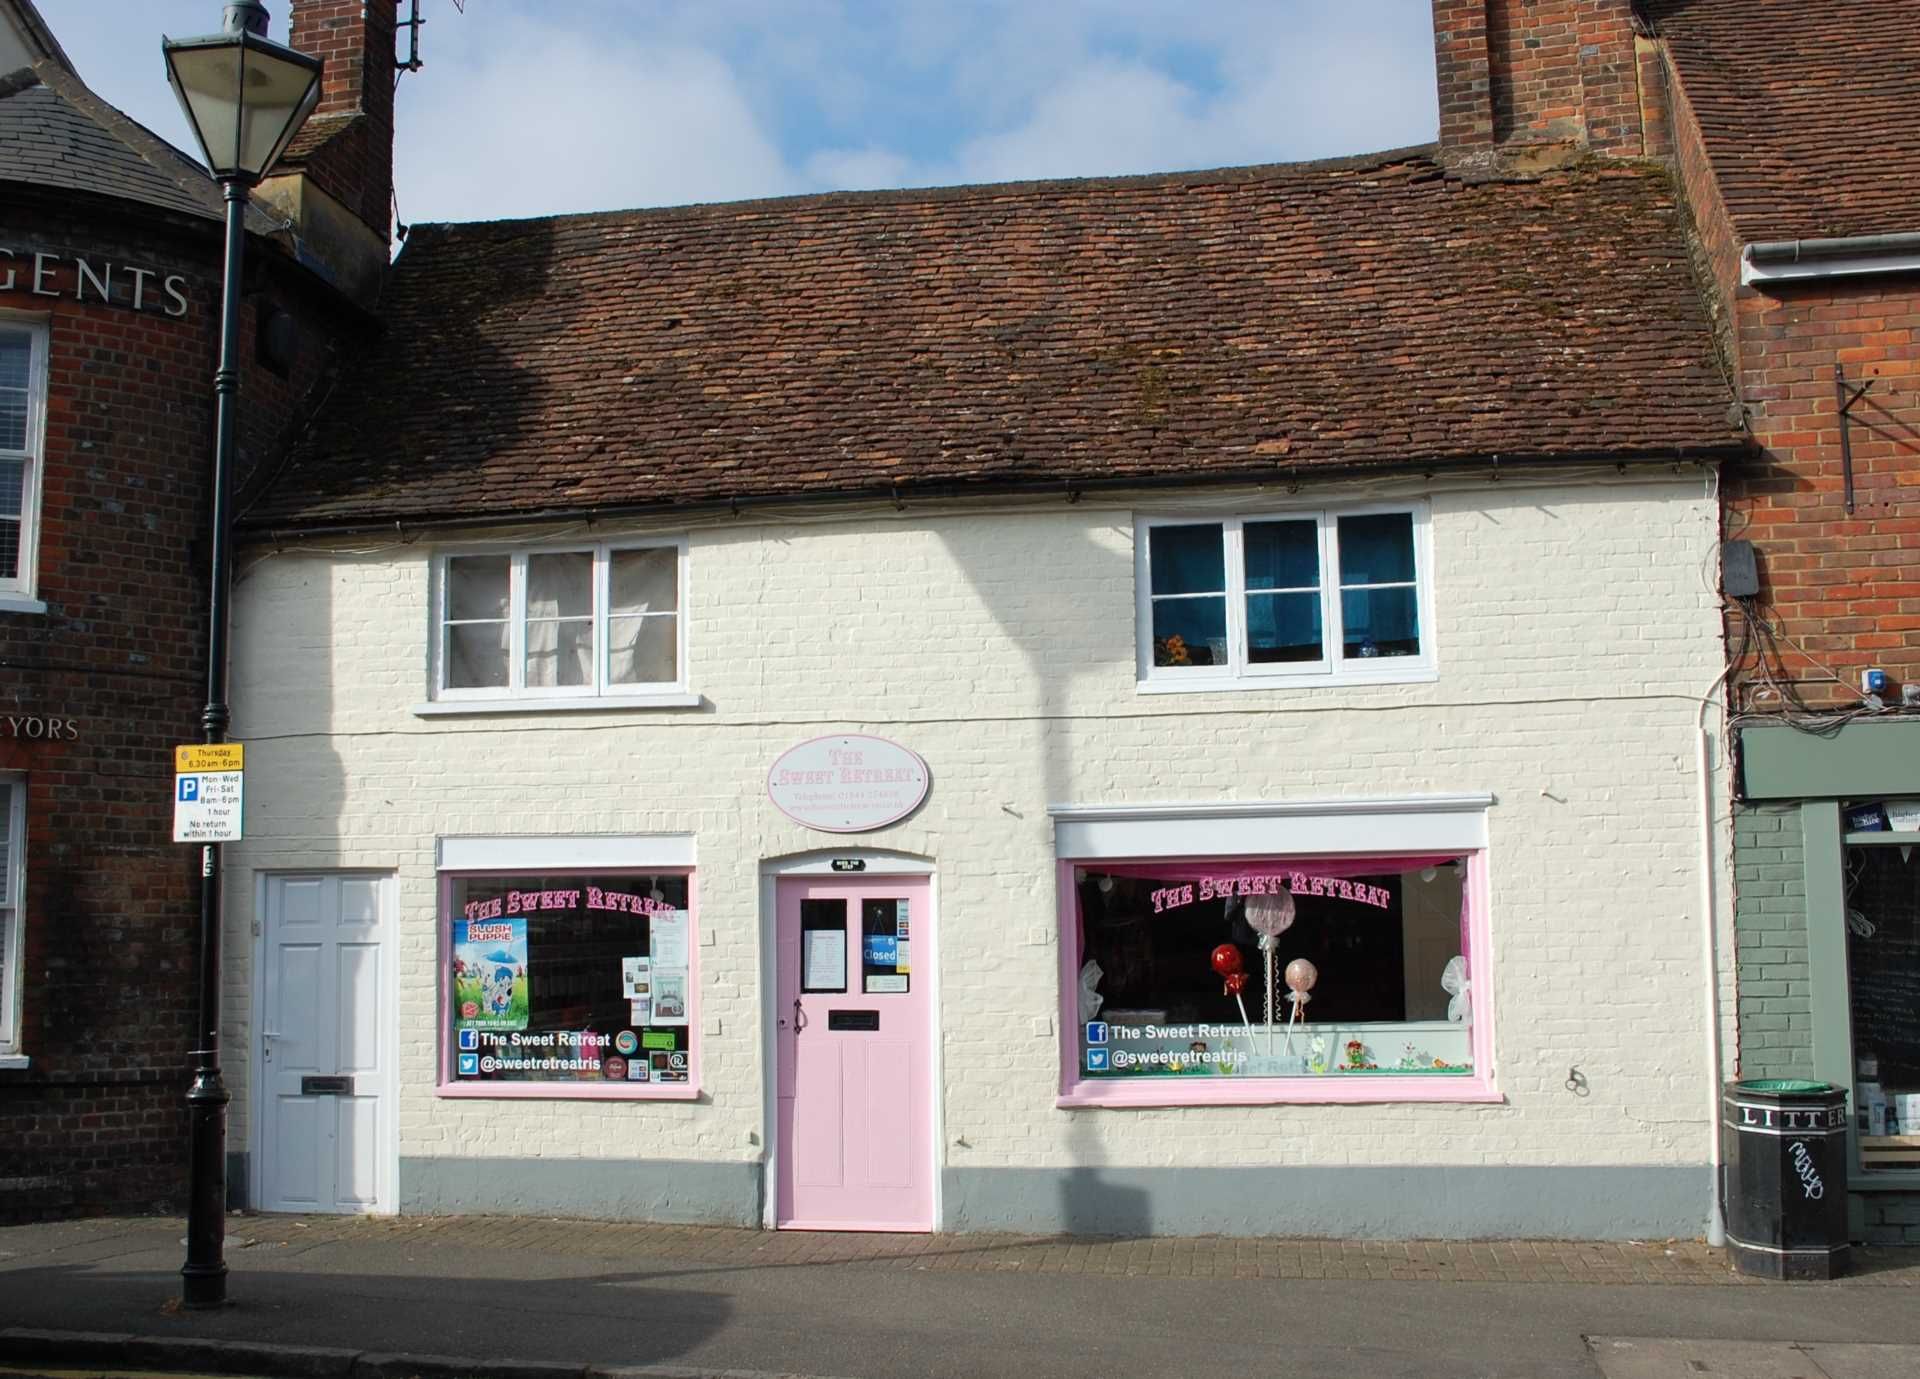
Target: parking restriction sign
(207, 792)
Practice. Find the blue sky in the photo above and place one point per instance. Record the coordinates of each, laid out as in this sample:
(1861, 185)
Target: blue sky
(528, 107)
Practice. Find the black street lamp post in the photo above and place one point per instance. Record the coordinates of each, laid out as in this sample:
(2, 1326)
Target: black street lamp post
(246, 97)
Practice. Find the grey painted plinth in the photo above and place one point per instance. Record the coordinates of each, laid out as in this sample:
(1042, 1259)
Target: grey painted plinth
(669, 1190)
(1430, 1202)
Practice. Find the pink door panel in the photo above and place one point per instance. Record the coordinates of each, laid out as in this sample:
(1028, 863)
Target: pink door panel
(855, 1055)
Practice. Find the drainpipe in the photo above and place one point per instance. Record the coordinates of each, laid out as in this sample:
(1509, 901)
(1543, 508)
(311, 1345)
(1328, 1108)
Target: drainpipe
(1709, 950)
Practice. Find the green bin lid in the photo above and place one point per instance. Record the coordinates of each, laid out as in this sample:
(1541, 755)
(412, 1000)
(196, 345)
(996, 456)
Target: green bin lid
(1783, 1086)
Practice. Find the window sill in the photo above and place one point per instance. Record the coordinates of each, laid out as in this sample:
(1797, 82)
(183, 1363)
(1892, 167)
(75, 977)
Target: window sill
(1235, 684)
(13, 1062)
(1326, 1089)
(20, 603)
(606, 703)
(568, 1091)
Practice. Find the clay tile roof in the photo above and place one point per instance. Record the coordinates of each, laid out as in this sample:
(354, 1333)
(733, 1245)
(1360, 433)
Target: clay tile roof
(1246, 323)
(315, 135)
(1810, 110)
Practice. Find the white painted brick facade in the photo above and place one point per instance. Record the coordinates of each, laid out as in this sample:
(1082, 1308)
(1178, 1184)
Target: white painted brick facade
(1576, 628)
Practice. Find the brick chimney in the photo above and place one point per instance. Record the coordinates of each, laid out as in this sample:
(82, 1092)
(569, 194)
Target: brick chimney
(336, 180)
(1532, 79)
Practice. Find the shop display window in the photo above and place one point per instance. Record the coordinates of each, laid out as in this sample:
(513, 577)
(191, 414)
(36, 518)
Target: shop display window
(1883, 982)
(578, 983)
(1320, 596)
(1342, 978)
(593, 622)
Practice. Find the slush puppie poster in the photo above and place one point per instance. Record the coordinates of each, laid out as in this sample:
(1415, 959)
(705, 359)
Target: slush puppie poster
(490, 974)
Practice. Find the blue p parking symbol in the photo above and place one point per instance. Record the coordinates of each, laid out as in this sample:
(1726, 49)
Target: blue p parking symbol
(189, 789)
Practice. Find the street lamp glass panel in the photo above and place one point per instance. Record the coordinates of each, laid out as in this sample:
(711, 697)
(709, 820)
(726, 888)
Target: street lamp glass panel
(244, 96)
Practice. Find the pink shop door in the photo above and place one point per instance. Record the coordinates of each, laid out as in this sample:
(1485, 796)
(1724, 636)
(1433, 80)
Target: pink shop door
(855, 1041)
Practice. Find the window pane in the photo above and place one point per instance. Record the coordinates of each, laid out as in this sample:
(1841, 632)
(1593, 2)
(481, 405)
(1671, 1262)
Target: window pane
(1283, 555)
(1377, 549)
(642, 651)
(13, 480)
(886, 947)
(16, 352)
(589, 970)
(1187, 560)
(1386, 937)
(6, 850)
(1380, 622)
(1190, 632)
(477, 656)
(560, 586)
(1883, 990)
(477, 587)
(9, 547)
(645, 581)
(559, 654)
(1283, 627)
(13, 419)
(823, 945)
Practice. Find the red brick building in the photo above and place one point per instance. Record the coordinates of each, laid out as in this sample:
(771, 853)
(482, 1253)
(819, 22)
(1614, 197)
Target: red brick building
(1795, 140)
(110, 274)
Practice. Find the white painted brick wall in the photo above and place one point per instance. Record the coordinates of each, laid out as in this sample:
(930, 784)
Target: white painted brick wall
(1575, 627)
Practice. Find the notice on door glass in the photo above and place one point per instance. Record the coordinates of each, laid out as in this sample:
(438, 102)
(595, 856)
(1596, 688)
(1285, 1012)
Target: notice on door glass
(824, 960)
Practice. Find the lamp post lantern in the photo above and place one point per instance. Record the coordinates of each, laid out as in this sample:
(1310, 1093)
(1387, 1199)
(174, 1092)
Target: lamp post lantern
(246, 97)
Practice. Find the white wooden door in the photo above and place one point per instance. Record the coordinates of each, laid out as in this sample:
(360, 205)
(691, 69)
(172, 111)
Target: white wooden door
(325, 1064)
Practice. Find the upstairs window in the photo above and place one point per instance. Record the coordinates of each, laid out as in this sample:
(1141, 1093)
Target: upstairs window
(1298, 597)
(600, 622)
(23, 399)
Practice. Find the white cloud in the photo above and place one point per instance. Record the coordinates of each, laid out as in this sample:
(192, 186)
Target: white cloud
(526, 119)
(860, 169)
(526, 107)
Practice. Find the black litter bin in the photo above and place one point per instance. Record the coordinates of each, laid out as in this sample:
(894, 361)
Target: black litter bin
(1786, 1178)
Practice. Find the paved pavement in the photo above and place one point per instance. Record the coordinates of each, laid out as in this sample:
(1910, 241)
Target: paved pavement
(528, 1298)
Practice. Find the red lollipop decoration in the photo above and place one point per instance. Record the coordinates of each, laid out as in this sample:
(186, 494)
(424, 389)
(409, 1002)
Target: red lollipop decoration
(1226, 961)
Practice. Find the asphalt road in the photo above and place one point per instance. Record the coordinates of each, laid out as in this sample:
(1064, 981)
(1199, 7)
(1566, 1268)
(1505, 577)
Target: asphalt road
(865, 1321)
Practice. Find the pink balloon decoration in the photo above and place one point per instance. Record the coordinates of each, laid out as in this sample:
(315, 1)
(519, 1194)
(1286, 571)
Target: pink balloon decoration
(1270, 915)
(1301, 975)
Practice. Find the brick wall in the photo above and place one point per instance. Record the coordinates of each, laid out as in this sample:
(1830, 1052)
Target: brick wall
(1770, 942)
(1572, 633)
(96, 1121)
(1519, 72)
(356, 40)
(1840, 585)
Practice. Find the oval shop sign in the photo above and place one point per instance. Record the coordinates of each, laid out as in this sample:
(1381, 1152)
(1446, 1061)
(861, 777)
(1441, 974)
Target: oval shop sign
(849, 783)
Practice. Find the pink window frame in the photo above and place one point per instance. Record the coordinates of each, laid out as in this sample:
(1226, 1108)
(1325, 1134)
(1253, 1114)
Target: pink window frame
(1077, 1090)
(452, 1088)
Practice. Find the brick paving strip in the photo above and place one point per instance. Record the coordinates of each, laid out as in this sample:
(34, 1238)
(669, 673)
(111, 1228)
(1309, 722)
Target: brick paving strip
(1499, 1261)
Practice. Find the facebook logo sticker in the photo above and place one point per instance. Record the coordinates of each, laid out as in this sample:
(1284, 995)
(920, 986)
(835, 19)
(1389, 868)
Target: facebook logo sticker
(1096, 1060)
(469, 1065)
(189, 789)
(469, 1038)
(1096, 1031)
